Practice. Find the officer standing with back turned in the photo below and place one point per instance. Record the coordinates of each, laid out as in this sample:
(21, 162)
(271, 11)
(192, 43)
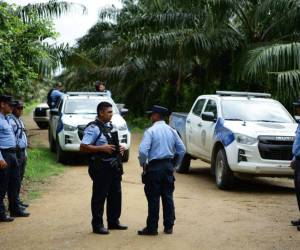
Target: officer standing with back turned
(160, 151)
(105, 169)
(295, 164)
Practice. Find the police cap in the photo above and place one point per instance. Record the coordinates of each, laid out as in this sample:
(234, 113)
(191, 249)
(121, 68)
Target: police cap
(6, 98)
(18, 104)
(159, 110)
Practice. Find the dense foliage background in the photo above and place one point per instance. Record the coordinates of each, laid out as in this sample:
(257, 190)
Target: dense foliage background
(27, 60)
(170, 51)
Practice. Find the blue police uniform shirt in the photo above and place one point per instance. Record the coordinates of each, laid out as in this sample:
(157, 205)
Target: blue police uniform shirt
(161, 142)
(19, 131)
(55, 96)
(7, 136)
(91, 133)
(296, 145)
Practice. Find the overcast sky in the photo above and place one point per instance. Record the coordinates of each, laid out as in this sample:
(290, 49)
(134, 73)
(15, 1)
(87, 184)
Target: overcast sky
(75, 25)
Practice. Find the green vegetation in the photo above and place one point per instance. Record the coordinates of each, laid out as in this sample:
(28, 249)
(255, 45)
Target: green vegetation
(170, 51)
(26, 59)
(41, 165)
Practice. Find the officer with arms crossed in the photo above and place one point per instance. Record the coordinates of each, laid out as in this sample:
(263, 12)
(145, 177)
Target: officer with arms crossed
(295, 164)
(161, 149)
(21, 139)
(9, 171)
(105, 169)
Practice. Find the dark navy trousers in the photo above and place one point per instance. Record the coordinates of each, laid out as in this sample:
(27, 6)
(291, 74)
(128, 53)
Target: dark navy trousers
(106, 186)
(9, 182)
(297, 181)
(159, 183)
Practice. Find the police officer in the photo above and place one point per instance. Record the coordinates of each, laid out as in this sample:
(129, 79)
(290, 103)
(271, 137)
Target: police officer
(160, 151)
(9, 171)
(100, 86)
(295, 164)
(21, 140)
(105, 169)
(54, 95)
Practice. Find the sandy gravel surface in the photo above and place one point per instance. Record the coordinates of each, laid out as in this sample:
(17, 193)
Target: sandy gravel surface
(255, 215)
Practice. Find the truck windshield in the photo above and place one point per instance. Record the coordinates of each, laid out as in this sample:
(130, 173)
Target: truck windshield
(255, 110)
(84, 106)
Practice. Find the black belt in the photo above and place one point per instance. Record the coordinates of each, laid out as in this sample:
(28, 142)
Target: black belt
(161, 160)
(8, 150)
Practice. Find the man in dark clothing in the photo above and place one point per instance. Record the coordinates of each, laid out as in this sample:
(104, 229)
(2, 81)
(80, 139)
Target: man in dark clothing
(105, 169)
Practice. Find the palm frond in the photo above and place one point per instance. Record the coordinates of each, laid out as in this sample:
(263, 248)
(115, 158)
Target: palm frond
(51, 9)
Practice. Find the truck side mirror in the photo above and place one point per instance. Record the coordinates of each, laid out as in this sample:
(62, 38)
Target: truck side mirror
(124, 111)
(208, 116)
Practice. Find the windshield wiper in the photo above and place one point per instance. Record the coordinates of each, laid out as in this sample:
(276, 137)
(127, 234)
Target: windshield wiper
(234, 119)
(267, 121)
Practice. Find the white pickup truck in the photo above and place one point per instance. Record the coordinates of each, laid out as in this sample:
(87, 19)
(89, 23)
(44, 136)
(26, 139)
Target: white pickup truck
(237, 133)
(69, 119)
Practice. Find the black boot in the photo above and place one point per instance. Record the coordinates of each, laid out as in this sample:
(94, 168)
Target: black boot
(19, 213)
(5, 218)
(295, 222)
(146, 231)
(100, 230)
(117, 226)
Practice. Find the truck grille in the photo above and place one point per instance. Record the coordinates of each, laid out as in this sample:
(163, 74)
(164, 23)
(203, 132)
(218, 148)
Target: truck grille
(81, 130)
(276, 147)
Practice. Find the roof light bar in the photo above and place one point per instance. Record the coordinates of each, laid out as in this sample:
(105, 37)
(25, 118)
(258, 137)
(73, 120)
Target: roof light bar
(246, 94)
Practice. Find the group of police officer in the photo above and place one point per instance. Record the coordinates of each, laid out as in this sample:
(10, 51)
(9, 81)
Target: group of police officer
(160, 150)
(13, 157)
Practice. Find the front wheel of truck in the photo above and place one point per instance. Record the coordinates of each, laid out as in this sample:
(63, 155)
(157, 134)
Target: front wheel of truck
(223, 174)
(185, 165)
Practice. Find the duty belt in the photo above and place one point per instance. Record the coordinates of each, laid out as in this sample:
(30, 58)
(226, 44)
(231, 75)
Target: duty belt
(161, 160)
(9, 150)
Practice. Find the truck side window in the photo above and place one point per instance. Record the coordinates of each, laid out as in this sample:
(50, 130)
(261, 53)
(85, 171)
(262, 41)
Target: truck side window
(198, 107)
(211, 106)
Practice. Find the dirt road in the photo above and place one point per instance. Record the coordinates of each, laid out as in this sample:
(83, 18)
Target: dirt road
(254, 216)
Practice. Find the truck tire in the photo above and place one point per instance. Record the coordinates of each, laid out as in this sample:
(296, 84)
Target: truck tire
(51, 141)
(125, 157)
(185, 165)
(61, 156)
(223, 174)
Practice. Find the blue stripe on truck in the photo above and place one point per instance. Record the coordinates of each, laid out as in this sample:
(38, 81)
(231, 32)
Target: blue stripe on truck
(224, 134)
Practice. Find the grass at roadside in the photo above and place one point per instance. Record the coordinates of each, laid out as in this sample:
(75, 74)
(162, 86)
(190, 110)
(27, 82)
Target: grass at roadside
(29, 107)
(138, 124)
(41, 164)
(40, 167)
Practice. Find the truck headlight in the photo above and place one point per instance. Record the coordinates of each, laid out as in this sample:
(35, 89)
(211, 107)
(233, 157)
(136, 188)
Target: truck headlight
(122, 127)
(244, 139)
(69, 127)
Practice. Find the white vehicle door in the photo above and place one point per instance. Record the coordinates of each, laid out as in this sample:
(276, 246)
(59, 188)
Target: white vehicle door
(208, 129)
(193, 128)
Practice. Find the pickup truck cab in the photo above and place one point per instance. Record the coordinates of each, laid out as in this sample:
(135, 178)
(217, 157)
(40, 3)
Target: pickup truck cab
(237, 133)
(70, 117)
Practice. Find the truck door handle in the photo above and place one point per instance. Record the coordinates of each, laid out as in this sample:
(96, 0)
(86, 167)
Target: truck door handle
(199, 125)
(188, 121)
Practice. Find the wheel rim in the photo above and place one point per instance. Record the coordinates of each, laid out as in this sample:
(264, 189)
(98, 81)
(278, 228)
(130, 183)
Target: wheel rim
(219, 171)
